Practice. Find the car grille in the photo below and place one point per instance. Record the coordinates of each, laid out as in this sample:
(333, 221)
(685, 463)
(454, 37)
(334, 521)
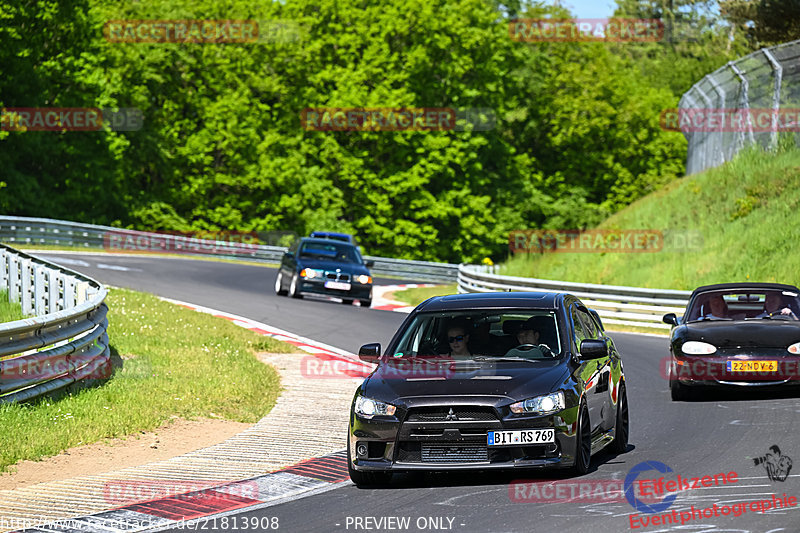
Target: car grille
(448, 414)
(337, 276)
(453, 452)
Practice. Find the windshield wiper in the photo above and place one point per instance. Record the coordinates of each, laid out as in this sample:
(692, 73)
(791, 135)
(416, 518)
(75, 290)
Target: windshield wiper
(710, 318)
(483, 358)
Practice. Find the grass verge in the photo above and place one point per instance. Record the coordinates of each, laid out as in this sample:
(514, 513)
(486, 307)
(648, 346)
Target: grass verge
(174, 363)
(9, 312)
(744, 210)
(417, 296)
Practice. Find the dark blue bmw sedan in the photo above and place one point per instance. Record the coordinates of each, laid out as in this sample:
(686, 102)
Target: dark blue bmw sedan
(327, 267)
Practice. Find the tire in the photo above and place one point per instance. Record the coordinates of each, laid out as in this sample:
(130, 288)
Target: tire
(279, 290)
(583, 450)
(347, 301)
(366, 479)
(621, 429)
(293, 288)
(365, 303)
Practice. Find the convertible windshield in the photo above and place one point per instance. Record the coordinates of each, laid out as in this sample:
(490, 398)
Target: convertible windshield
(509, 334)
(333, 251)
(739, 304)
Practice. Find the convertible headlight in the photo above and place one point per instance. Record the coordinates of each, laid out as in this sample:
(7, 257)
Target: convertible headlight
(540, 405)
(310, 273)
(367, 407)
(794, 348)
(364, 279)
(698, 348)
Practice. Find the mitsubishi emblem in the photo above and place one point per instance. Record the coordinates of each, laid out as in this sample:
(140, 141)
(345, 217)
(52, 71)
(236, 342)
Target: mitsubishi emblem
(451, 415)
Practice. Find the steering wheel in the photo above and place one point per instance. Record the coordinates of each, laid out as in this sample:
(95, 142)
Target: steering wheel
(526, 347)
(779, 314)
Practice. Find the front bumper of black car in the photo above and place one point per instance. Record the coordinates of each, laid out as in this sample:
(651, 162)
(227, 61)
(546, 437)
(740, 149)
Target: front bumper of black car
(716, 370)
(389, 444)
(357, 291)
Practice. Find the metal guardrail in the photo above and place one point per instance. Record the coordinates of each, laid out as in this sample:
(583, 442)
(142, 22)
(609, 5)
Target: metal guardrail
(768, 79)
(45, 231)
(630, 306)
(65, 342)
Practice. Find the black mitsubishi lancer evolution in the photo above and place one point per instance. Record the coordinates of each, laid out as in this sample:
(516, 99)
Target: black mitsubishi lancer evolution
(489, 381)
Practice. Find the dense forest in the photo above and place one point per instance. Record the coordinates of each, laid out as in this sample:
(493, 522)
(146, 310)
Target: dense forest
(576, 135)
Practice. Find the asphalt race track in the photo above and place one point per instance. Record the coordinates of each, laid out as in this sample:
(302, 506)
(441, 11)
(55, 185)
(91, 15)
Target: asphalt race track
(719, 433)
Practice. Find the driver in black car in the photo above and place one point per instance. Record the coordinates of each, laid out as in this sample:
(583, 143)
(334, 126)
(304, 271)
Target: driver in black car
(774, 305)
(527, 333)
(528, 339)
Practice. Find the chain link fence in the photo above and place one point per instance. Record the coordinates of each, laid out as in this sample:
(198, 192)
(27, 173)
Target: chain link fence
(753, 100)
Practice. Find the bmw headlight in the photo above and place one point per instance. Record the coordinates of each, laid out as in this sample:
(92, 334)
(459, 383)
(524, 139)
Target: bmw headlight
(698, 348)
(367, 407)
(540, 405)
(311, 273)
(364, 279)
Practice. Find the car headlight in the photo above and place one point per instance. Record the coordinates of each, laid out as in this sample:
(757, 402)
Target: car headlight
(364, 279)
(794, 348)
(310, 273)
(698, 348)
(540, 405)
(367, 407)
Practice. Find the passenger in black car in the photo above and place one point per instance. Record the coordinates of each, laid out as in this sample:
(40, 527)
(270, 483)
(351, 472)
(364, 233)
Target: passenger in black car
(458, 338)
(715, 307)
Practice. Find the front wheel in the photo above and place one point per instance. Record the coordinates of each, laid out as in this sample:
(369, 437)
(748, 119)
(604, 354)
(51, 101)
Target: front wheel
(293, 292)
(678, 392)
(279, 290)
(620, 442)
(583, 450)
(366, 479)
(365, 303)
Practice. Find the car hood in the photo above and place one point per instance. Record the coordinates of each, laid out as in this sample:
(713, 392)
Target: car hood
(516, 380)
(322, 264)
(764, 333)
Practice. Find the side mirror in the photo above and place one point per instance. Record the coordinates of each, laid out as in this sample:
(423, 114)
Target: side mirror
(369, 264)
(593, 349)
(670, 318)
(287, 255)
(370, 353)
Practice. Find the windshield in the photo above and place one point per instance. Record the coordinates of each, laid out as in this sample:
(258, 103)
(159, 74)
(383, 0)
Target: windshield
(739, 304)
(331, 251)
(512, 333)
